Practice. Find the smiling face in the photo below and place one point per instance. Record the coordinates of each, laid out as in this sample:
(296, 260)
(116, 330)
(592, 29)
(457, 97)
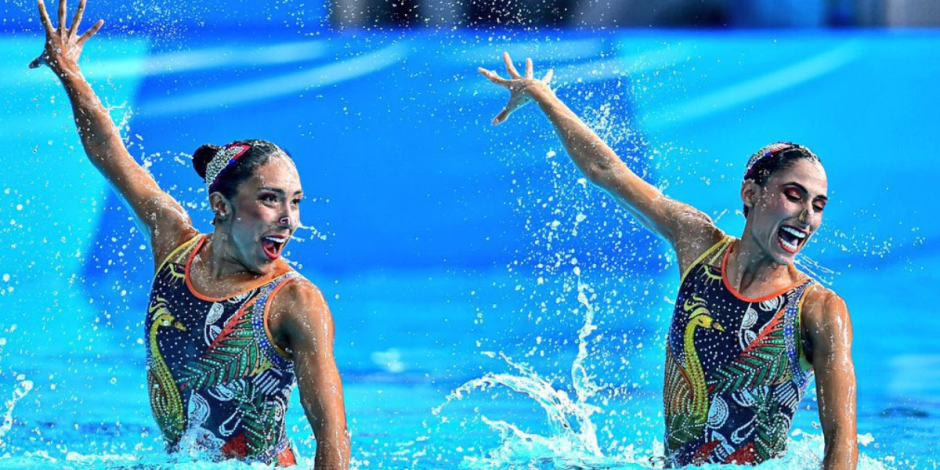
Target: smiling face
(787, 210)
(265, 213)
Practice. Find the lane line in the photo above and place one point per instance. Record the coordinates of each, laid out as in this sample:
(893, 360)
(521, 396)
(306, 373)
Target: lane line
(279, 86)
(752, 90)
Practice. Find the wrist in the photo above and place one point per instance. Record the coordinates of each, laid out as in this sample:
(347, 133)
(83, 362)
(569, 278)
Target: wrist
(538, 89)
(67, 73)
(71, 78)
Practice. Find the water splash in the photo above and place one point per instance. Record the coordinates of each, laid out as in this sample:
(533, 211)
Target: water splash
(20, 391)
(572, 438)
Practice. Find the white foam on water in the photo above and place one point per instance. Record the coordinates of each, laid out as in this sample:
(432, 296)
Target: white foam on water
(20, 391)
(572, 438)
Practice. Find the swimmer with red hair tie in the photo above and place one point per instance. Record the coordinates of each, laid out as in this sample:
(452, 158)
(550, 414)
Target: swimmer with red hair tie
(230, 326)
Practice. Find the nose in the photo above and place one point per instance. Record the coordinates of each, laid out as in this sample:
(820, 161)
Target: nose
(289, 218)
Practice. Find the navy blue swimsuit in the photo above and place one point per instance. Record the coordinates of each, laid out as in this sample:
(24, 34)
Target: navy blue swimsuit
(216, 381)
(735, 371)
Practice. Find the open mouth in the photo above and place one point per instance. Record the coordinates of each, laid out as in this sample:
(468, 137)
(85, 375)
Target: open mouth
(272, 246)
(791, 239)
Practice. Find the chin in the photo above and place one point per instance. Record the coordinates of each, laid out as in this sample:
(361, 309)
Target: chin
(782, 256)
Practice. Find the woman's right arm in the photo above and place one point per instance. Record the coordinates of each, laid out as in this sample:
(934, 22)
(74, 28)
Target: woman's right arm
(161, 217)
(688, 230)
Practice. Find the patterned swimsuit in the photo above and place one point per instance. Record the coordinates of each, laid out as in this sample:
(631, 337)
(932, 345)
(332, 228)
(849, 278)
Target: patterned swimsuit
(217, 383)
(735, 370)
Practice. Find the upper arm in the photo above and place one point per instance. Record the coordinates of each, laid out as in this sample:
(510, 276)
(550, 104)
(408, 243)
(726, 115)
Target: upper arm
(169, 227)
(826, 323)
(688, 230)
(301, 323)
(164, 221)
(161, 217)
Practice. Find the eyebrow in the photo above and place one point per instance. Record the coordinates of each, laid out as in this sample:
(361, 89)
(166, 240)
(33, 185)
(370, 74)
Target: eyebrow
(280, 191)
(802, 188)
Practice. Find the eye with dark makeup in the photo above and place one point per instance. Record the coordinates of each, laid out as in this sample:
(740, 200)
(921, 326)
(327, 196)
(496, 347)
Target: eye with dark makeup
(792, 194)
(819, 205)
(795, 194)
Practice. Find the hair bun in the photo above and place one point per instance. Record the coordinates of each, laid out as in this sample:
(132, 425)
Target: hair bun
(202, 156)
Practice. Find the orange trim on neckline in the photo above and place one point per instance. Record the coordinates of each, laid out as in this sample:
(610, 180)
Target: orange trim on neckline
(724, 279)
(197, 294)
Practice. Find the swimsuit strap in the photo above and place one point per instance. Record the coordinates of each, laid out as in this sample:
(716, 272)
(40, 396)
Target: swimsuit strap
(710, 256)
(276, 355)
(791, 330)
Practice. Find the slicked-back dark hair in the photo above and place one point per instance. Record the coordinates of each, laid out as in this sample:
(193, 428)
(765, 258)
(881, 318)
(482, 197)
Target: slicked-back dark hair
(773, 158)
(238, 170)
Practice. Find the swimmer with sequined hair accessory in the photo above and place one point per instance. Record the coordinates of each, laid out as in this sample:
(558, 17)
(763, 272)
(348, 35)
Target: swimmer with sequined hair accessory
(230, 327)
(749, 329)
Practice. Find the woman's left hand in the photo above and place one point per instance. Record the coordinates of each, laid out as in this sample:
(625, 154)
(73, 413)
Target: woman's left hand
(63, 46)
(518, 86)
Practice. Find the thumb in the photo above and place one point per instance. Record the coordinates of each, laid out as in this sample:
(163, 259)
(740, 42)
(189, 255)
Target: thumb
(501, 117)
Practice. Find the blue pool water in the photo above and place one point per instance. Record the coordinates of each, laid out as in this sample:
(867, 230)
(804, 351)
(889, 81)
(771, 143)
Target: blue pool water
(461, 261)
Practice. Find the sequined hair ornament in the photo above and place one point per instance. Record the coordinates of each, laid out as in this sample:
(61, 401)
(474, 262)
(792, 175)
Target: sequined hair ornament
(222, 159)
(774, 151)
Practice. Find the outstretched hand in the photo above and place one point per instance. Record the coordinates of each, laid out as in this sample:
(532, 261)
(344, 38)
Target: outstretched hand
(517, 85)
(63, 46)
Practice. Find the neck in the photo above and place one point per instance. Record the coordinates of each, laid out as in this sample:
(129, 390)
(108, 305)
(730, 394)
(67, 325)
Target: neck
(749, 266)
(220, 260)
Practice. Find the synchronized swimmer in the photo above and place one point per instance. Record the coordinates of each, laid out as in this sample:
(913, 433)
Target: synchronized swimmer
(749, 329)
(231, 327)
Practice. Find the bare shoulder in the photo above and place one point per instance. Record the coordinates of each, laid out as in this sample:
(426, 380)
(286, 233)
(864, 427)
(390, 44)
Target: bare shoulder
(163, 246)
(823, 307)
(167, 223)
(299, 312)
(825, 321)
(694, 233)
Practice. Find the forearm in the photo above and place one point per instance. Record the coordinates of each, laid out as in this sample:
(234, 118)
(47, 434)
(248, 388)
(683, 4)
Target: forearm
(601, 165)
(333, 447)
(103, 146)
(100, 138)
(841, 452)
(587, 150)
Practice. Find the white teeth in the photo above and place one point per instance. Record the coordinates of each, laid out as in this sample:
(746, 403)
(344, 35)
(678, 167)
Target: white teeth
(796, 233)
(788, 245)
(277, 239)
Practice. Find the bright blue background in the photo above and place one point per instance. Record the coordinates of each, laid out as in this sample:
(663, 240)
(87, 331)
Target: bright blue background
(436, 226)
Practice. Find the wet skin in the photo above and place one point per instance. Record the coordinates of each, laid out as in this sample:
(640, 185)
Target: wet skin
(265, 205)
(761, 261)
(794, 197)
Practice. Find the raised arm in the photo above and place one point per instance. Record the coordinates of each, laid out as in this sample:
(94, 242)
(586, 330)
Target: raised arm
(687, 229)
(829, 330)
(161, 218)
(303, 324)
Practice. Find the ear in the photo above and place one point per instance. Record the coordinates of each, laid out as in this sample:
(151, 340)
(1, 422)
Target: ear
(750, 192)
(220, 206)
